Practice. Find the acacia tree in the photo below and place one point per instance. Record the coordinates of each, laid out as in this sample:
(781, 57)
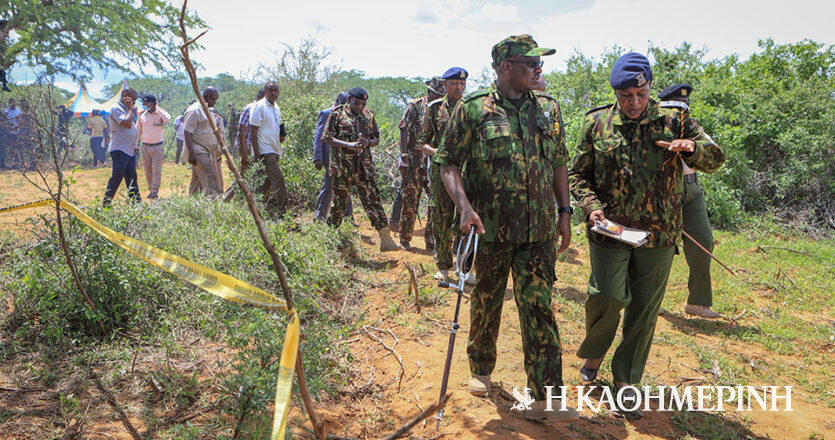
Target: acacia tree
(71, 37)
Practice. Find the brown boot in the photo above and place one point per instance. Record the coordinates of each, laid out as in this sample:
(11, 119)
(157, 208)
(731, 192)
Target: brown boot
(387, 244)
(701, 311)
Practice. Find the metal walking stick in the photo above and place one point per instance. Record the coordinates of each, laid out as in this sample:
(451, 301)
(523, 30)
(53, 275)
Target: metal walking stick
(470, 248)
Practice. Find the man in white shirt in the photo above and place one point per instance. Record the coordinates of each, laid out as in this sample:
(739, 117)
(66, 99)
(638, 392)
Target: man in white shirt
(180, 128)
(266, 136)
(202, 146)
(149, 129)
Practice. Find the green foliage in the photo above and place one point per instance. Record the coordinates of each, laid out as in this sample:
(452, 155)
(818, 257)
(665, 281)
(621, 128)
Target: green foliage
(772, 114)
(73, 37)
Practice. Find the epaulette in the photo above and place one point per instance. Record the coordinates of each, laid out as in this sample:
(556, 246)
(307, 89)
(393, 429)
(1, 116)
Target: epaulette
(544, 95)
(674, 104)
(477, 94)
(436, 102)
(597, 109)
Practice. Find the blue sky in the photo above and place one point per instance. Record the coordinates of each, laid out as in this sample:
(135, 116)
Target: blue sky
(425, 37)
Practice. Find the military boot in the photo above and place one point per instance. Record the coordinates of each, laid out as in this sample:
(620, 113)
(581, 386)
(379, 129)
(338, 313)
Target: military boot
(387, 244)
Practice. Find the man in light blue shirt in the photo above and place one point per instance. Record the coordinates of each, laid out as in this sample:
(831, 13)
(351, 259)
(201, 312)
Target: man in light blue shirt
(123, 147)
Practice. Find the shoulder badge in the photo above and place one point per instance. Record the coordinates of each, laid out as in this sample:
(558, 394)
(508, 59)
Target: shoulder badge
(475, 95)
(597, 109)
(674, 104)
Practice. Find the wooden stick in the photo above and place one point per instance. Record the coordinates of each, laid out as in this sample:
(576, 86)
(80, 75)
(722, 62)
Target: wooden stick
(708, 252)
(279, 267)
(431, 409)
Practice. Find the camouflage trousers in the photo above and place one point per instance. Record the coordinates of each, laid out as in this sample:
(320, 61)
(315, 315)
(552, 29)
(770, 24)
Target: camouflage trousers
(443, 219)
(414, 180)
(354, 173)
(532, 267)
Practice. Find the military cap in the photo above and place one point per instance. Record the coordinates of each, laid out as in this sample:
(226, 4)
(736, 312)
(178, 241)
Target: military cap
(518, 45)
(455, 73)
(149, 98)
(358, 92)
(341, 98)
(676, 91)
(630, 70)
(435, 84)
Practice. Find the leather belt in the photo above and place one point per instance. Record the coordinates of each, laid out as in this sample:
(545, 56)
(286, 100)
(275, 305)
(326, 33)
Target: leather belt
(152, 145)
(690, 178)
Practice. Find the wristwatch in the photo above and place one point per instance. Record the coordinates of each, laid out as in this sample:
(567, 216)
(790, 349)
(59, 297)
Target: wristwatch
(567, 209)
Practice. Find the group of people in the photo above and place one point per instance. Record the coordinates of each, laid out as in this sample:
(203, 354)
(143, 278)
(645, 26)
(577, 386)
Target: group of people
(17, 134)
(495, 160)
(499, 163)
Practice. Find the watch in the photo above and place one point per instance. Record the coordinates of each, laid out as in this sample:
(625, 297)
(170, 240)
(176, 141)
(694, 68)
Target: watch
(567, 209)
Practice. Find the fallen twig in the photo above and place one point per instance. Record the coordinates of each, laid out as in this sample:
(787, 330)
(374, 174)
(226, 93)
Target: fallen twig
(413, 286)
(390, 349)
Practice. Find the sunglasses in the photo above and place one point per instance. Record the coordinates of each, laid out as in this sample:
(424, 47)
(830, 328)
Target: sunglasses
(532, 64)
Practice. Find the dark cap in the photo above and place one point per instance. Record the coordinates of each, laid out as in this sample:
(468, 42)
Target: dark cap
(518, 45)
(676, 91)
(436, 85)
(341, 98)
(630, 70)
(358, 92)
(149, 98)
(455, 73)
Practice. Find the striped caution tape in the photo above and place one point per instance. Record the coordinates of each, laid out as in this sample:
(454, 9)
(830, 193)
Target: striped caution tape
(214, 282)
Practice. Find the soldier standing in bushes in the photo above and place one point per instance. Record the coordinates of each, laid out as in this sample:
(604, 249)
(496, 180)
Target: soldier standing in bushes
(351, 131)
(696, 221)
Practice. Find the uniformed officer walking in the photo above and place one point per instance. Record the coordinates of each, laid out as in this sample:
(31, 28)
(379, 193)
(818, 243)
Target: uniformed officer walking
(511, 143)
(629, 170)
(351, 132)
(432, 130)
(696, 221)
(412, 161)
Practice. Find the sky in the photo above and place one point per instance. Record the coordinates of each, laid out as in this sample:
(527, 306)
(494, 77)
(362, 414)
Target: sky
(422, 38)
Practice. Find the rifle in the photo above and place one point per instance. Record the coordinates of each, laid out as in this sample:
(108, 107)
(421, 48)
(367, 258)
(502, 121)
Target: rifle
(460, 258)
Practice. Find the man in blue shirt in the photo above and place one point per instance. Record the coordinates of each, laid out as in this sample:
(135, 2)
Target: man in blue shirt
(321, 158)
(123, 147)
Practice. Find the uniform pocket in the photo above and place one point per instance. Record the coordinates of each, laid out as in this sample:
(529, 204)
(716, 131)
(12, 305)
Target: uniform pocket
(495, 141)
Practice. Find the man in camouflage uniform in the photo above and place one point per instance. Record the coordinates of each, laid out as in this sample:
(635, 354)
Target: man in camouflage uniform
(511, 144)
(412, 161)
(629, 170)
(351, 131)
(696, 221)
(431, 132)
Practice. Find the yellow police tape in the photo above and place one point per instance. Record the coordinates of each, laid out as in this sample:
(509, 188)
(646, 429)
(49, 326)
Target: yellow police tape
(214, 282)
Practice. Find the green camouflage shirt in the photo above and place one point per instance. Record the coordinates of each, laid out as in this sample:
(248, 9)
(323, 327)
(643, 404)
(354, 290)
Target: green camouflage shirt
(345, 126)
(434, 122)
(410, 126)
(636, 183)
(510, 156)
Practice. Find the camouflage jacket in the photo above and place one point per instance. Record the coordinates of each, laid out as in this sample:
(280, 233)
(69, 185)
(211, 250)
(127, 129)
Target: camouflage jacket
(434, 122)
(409, 128)
(620, 169)
(510, 156)
(345, 126)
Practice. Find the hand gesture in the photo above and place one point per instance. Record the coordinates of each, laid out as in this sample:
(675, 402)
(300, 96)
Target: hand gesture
(678, 145)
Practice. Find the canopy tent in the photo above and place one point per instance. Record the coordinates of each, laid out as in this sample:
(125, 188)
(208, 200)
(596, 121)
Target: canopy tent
(82, 105)
(107, 105)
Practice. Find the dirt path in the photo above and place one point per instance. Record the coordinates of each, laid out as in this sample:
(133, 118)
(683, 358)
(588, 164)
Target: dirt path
(379, 406)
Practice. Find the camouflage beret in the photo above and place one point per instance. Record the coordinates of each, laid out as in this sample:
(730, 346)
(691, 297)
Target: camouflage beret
(436, 85)
(518, 45)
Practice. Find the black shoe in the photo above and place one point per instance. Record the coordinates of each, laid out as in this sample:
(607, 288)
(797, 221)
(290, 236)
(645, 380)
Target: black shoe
(6, 88)
(629, 398)
(588, 374)
(406, 246)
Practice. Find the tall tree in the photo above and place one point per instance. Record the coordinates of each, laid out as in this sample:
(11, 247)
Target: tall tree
(72, 37)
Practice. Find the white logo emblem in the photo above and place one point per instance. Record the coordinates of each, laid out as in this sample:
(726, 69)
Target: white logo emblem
(523, 400)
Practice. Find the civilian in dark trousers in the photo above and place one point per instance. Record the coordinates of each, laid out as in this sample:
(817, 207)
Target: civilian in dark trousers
(124, 167)
(321, 158)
